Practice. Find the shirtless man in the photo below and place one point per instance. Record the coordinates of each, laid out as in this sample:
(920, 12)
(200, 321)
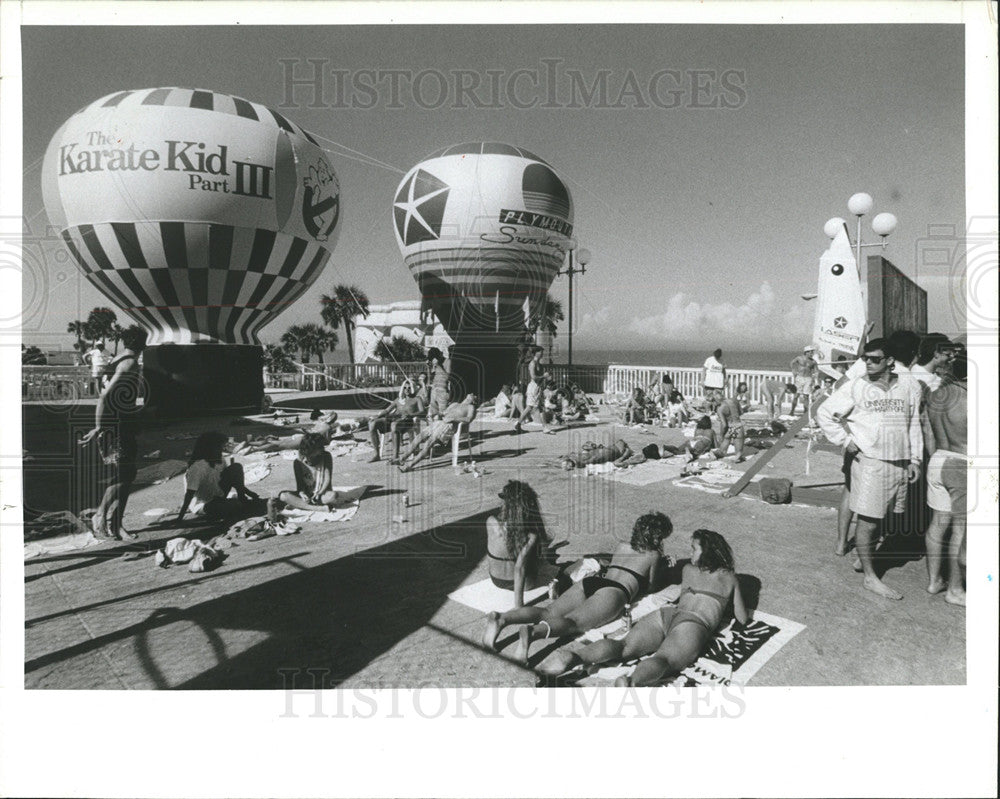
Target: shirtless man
(804, 369)
(947, 472)
(400, 417)
(729, 425)
(439, 431)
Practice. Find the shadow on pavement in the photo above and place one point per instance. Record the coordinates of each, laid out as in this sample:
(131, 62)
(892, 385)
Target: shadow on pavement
(335, 618)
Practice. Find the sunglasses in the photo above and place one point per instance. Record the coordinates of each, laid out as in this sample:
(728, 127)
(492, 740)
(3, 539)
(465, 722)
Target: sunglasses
(873, 358)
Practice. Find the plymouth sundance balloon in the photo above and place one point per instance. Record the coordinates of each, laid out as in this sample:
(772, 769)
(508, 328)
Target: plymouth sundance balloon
(483, 228)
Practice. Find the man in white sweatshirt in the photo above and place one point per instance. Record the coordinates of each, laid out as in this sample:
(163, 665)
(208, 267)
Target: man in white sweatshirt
(877, 418)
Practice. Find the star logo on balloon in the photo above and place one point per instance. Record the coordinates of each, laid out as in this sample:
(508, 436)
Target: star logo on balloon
(840, 322)
(419, 208)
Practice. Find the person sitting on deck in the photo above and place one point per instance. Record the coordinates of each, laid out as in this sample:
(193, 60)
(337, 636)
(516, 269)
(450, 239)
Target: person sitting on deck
(313, 470)
(743, 396)
(703, 442)
(208, 481)
(569, 409)
(502, 405)
(516, 541)
(635, 410)
(439, 431)
(677, 410)
(676, 635)
(635, 568)
(592, 453)
(324, 423)
(402, 416)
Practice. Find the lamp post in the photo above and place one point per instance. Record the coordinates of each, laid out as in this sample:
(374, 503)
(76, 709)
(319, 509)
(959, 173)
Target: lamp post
(581, 257)
(883, 224)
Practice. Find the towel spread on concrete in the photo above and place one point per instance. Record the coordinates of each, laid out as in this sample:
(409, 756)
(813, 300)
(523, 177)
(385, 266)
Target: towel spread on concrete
(714, 481)
(485, 597)
(648, 472)
(733, 657)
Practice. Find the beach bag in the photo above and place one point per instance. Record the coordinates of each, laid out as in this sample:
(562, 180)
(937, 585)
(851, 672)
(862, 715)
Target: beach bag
(776, 490)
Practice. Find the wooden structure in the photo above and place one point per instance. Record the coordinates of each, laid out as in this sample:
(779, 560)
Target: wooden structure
(895, 302)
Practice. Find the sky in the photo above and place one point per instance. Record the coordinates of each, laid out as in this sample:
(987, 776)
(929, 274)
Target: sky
(705, 223)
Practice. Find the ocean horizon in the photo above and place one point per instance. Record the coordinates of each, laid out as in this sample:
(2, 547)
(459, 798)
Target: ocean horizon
(734, 359)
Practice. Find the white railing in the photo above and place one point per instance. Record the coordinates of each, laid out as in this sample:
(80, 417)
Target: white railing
(57, 383)
(688, 380)
(340, 376)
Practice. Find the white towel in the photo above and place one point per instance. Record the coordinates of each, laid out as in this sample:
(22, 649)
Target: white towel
(256, 473)
(485, 597)
(63, 543)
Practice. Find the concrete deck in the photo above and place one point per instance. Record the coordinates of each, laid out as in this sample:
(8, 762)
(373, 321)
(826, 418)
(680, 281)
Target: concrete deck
(365, 602)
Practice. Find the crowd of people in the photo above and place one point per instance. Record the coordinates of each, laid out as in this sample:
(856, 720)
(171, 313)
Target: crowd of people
(899, 412)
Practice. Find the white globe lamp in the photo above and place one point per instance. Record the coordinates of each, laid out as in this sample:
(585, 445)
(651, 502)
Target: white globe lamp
(833, 227)
(883, 224)
(860, 204)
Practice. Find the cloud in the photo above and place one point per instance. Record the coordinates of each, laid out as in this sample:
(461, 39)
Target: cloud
(760, 320)
(594, 321)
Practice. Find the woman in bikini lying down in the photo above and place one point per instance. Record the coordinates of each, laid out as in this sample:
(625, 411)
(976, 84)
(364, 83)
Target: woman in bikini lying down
(678, 634)
(636, 568)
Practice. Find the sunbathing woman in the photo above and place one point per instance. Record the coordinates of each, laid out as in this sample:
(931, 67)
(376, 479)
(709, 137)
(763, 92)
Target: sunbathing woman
(516, 541)
(208, 481)
(595, 600)
(679, 634)
(596, 453)
(313, 477)
(319, 422)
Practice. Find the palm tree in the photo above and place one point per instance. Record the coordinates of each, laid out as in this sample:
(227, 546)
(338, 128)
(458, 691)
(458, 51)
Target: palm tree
(102, 322)
(550, 315)
(346, 303)
(296, 339)
(116, 335)
(78, 329)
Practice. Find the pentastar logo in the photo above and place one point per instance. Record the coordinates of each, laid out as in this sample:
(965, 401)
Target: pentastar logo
(419, 208)
(840, 322)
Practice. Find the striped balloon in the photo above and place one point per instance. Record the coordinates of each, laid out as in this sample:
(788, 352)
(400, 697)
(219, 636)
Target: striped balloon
(200, 214)
(483, 228)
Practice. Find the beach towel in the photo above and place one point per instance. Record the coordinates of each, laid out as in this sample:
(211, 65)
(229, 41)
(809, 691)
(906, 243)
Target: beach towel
(65, 533)
(485, 597)
(734, 656)
(648, 472)
(714, 481)
(342, 513)
(255, 473)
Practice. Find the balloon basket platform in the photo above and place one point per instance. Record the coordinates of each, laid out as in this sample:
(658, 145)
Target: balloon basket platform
(185, 380)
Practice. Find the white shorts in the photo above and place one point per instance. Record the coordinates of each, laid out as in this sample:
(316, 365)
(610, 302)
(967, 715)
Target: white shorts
(877, 485)
(938, 496)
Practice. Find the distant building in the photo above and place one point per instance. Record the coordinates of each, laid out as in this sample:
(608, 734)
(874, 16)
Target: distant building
(404, 319)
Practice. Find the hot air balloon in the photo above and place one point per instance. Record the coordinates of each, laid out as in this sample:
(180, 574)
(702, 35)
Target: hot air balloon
(202, 216)
(484, 228)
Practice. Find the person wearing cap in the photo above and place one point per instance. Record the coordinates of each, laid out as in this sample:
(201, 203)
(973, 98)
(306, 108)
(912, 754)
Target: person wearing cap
(804, 370)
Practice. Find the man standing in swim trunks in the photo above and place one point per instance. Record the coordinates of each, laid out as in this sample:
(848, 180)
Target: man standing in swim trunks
(877, 419)
(440, 369)
(728, 424)
(947, 473)
(804, 369)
